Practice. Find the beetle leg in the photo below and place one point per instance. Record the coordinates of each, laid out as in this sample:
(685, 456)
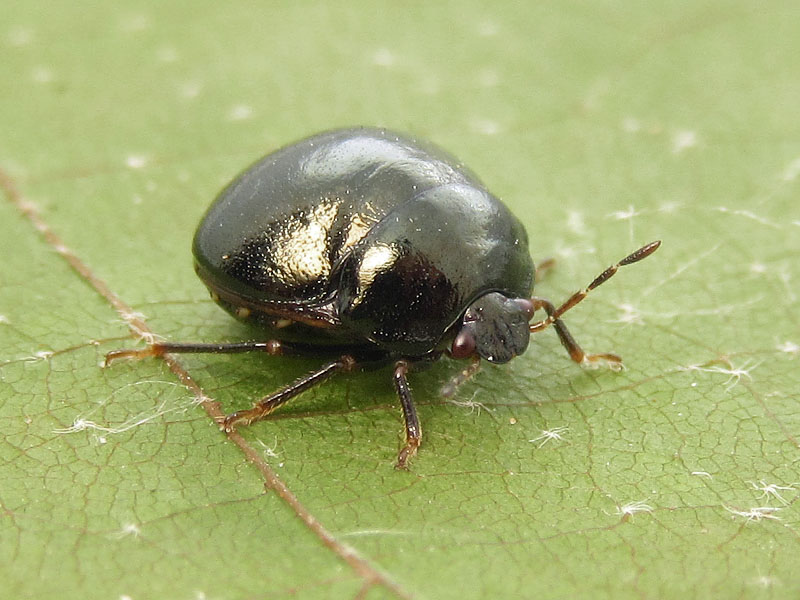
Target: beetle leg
(265, 406)
(413, 430)
(543, 268)
(576, 353)
(271, 347)
(462, 376)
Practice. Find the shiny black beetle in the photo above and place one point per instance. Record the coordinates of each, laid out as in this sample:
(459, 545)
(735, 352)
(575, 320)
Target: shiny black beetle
(374, 248)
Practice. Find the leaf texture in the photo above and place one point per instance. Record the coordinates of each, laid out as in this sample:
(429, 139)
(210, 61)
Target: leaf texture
(603, 126)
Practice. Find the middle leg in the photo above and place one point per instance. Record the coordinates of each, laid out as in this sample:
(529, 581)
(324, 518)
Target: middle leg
(265, 406)
(413, 430)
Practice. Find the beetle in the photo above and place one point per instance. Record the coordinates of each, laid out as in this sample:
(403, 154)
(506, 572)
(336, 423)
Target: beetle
(372, 248)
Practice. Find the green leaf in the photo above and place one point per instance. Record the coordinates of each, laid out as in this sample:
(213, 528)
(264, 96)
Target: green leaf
(603, 125)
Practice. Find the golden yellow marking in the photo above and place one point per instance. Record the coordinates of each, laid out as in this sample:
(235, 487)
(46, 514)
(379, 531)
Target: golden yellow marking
(377, 259)
(303, 249)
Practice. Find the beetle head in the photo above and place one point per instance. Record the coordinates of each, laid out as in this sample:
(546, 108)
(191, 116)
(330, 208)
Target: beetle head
(494, 327)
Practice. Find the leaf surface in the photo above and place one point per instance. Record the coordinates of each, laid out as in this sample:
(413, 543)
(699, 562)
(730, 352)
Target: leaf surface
(603, 127)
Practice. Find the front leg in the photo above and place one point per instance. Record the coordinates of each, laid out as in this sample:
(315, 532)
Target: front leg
(413, 430)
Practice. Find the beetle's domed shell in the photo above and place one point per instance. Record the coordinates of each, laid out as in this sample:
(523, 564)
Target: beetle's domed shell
(278, 230)
(392, 234)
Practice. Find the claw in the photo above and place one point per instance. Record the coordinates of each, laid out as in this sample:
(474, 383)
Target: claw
(609, 361)
(408, 451)
(128, 353)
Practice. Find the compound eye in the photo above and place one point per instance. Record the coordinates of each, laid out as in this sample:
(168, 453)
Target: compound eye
(464, 344)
